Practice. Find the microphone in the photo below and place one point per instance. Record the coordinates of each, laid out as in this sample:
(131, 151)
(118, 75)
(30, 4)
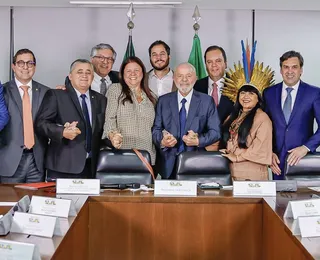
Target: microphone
(120, 186)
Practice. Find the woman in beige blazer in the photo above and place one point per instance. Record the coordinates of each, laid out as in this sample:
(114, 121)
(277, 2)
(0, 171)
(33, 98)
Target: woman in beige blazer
(248, 137)
(130, 109)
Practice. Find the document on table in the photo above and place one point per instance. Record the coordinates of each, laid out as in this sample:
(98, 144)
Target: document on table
(7, 204)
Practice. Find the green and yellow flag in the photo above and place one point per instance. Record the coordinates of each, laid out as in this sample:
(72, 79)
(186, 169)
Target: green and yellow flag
(196, 59)
(130, 49)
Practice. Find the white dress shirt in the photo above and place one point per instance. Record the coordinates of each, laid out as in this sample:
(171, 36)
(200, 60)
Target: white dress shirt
(293, 94)
(220, 83)
(96, 83)
(160, 86)
(19, 84)
(188, 98)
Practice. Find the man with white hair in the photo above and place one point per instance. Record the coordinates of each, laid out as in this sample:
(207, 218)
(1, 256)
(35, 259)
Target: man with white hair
(186, 120)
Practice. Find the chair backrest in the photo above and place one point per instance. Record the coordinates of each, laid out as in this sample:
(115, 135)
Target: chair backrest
(122, 167)
(306, 172)
(203, 166)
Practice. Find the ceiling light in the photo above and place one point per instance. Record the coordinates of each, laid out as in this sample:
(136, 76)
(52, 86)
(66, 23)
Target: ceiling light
(122, 3)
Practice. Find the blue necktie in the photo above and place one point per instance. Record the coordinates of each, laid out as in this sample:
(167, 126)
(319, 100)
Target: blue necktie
(87, 121)
(183, 119)
(287, 105)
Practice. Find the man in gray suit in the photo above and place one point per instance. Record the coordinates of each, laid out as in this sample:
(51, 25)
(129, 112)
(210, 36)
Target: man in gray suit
(22, 152)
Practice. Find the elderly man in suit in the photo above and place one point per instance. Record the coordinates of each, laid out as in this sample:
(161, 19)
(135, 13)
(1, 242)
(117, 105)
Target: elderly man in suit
(4, 115)
(292, 106)
(73, 120)
(186, 120)
(22, 151)
(160, 78)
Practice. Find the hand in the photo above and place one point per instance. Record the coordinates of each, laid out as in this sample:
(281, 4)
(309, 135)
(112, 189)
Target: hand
(191, 139)
(168, 140)
(116, 140)
(71, 126)
(296, 154)
(224, 151)
(275, 164)
(63, 87)
(231, 156)
(71, 133)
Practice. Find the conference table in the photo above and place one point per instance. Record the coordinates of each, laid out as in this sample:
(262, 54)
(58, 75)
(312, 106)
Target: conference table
(138, 225)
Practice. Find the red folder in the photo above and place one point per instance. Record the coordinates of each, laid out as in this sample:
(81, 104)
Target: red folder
(36, 185)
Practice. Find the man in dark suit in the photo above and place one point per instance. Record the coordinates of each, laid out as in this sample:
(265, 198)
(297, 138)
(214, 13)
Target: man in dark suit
(4, 115)
(160, 78)
(292, 106)
(216, 64)
(186, 120)
(73, 120)
(22, 151)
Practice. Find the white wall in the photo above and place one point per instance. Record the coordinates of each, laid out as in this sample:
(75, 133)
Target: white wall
(4, 43)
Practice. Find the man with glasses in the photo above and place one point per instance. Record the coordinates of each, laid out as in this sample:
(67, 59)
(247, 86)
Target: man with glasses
(22, 151)
(160, 78)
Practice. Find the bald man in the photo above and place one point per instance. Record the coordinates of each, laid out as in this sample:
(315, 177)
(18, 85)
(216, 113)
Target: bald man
(186, 120)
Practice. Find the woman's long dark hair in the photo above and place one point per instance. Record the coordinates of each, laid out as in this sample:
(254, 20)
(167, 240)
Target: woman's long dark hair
(126, 93)
(245, 126)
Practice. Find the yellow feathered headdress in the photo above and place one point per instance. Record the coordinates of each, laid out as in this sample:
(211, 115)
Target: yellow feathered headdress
(250, 73)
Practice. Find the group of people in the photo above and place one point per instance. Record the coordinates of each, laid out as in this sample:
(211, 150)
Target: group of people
(57, 133)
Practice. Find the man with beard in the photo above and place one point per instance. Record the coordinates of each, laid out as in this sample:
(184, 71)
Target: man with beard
(160, 78)
(186, 120)
(102, 59)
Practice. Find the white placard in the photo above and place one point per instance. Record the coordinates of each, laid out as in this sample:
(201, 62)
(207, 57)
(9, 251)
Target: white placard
(52, 207)
(18, 251)
(78, 186)
(307, 226)
(302, 208)
(175, 188)
(31, 224)
(254, 188)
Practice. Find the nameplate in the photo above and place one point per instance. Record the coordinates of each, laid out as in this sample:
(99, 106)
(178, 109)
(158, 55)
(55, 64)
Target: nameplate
(52, 207)
(18, 251)
(254, 188)
(31, 224)
(302, 208)
(175, 188)
(78, 186)
(307, 226)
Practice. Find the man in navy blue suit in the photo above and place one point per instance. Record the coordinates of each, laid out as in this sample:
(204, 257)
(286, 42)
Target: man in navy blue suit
(292, 107)
(186, 120)
(4, 115)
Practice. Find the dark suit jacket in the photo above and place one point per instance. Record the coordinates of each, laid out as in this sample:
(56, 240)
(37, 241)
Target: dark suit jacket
(202, 119)
(225, 106)
(12, 135)
(299, 130)
(114, 76)
(4, 115)
(59, 107)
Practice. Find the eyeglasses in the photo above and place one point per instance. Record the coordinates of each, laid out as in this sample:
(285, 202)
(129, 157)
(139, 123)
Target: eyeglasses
(102, 59)
(21, 63)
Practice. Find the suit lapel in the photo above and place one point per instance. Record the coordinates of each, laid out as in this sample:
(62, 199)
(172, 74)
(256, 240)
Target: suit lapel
(174, 107)
(299, 100)
(35, 99)
(94, 104)
(278, 102)
(73, 95)
(16, 95)
(193, 109)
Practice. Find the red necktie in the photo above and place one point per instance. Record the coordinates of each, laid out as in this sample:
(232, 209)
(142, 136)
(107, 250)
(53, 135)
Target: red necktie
(214, 93)
(28, 132)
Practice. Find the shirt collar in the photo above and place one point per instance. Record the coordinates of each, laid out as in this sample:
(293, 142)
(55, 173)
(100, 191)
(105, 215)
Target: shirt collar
(169, 74)
(295, 87)
(188, 97)
(220, 82)
(79, 94)
(97, 78)
(19, 84)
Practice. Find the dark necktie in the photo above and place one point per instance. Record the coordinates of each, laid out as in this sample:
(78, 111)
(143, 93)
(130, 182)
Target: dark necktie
(183, 119)
(87, 121)
(287, 105)
(103, 87)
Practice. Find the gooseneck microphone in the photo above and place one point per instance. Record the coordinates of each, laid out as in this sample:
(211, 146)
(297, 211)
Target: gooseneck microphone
(120, 186)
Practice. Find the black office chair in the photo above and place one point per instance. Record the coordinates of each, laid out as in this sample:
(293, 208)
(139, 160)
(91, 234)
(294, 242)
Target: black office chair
(203, 166)
(123, 167)
(306, 172)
